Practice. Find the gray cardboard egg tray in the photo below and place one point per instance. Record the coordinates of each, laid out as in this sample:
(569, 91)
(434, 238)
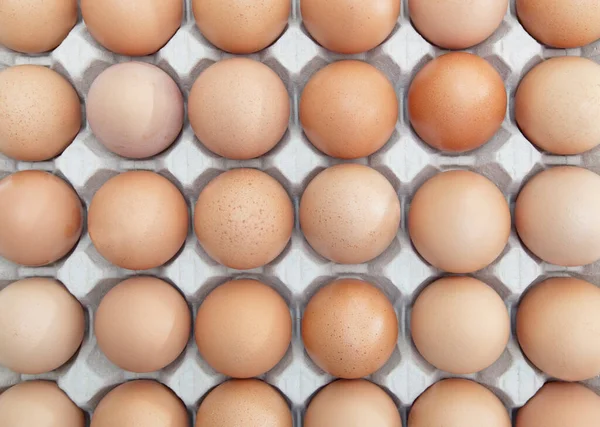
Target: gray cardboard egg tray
(508, 160)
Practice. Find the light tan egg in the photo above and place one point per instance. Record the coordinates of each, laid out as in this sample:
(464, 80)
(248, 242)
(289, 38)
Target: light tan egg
(41, 113)
(41, 325)
(241, 26)
(459, 221)
(458, 403)
(557, 103)
(461, 310)
(558, 327)
(559, 23)
(559, 404)
(140, 403)
(457, 102)
(457, 24)
(39, 404)
(243, 328)
(349, 328)
(36, 26)
(350, 26)
(349, 213)
(348, 109)
(244, 218)
(243, 403)
(138, 220)
(135, 109)
(132, 27)
(239, 108)
(352, 403)
(142, 324)
(41, 218)
(556, 216)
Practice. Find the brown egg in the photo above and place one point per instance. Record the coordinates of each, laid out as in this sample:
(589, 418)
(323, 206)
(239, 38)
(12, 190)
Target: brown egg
(350, 26)
(243, 328)
(36, 26)
(239, 108)
(556, 216)
(350, 213)
(140, 403)
(135, 109)
(458, 403)
(41, 113)
(132, 27)
(39, 404)
(352, 403)
(561, 404)
(457, 24)
(457, 102)
(557, 103)
(461, 310)
(349, 328)
(459, 221)
(349, 109)
(241, 26)
(244, 403)
(41, 218)
(244, 219)
(138, 220)
(41, 325)
(559, 23)
(142, 324)
(558, 327)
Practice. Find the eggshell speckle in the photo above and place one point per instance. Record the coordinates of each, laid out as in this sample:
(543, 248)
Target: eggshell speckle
(41, 325)
(349, 213)
(457, 102)
(350, 26)
(243, 328)
(349, 328)
(352, 403)
(244, 218)
(239, 108)
(244, 403)
(556, 215)
(349, 109)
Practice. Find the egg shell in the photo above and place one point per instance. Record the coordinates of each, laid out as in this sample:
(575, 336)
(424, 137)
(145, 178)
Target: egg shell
(244, 218)
(132, 27)
(41, 325)
(349, 26)
(350, 213)
(142, 324)
(244, 403)
(36, 26)
(39, 404)
(559, 23)
(457, 102)
(41, 113)
(241, 26)
(239, 108)
(138, 220)
(352, 403)
(458, 403)
(557, 103)
(243, 328)
(348, 109)
(140, 403)
(349, 328)
(41, 218)
(559, 404)
(556, 216)
(135, 109)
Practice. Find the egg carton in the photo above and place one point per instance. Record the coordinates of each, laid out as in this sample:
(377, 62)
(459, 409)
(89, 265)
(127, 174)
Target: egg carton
(508, 160)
